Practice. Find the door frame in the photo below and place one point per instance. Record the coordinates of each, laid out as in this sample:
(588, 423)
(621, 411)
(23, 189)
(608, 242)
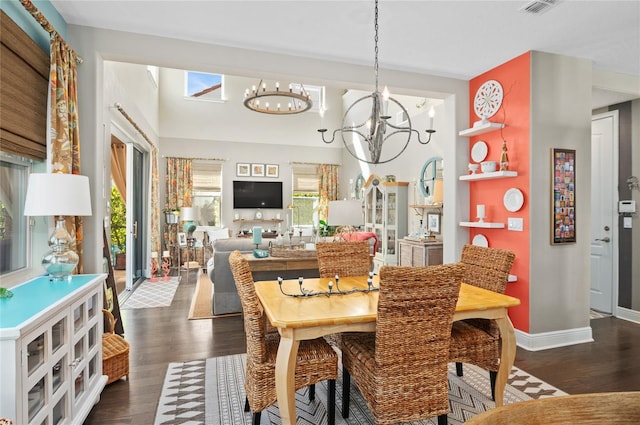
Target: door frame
(130, 140)
(614, 219)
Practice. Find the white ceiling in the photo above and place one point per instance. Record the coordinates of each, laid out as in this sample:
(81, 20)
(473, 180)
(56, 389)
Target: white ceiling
(459, 39)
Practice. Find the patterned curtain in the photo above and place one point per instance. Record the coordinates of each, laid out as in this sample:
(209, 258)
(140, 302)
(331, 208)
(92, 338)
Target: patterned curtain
(328, 188)
(179, 189)
(64, 143)
(155, 202)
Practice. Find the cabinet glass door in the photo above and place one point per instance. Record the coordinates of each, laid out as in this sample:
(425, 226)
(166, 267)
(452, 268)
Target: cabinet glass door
(35, 354)
(391, 209)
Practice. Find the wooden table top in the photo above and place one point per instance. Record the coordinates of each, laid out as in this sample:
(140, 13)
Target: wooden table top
(290, 312)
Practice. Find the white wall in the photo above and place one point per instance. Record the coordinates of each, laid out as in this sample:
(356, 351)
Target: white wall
(560, 118)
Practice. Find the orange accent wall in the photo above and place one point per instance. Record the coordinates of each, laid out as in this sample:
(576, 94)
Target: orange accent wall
(515, 78)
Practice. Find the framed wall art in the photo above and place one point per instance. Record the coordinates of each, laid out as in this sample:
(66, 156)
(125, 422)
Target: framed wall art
(182, 239)
(563, 192)
(243, 170)
(257, 170)
(433, 222)
(271, 170)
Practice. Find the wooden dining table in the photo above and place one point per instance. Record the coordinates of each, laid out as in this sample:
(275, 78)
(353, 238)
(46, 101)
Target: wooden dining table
(301, 318)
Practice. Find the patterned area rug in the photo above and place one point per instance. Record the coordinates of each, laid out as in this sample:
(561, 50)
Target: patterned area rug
(152, 294)
(211, 392)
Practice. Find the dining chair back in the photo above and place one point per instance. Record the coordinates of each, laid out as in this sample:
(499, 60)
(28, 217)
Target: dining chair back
(316, 360)
(401, 369)
(585, 409)
(477, 341)
(343, 258)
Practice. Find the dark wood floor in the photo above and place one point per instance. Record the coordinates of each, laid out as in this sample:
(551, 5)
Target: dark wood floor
(159, 336)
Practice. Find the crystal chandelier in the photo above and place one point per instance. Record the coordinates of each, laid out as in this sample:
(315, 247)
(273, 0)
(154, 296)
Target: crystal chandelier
(282, 102)
(364, 141)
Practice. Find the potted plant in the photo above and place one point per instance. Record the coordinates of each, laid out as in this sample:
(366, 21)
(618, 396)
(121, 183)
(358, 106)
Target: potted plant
(171, 215)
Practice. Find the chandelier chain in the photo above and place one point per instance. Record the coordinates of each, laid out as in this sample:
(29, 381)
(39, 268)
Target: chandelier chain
(375, 63)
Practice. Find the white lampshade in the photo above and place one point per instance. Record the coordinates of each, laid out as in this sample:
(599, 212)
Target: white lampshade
(57, 194)
(187, 214)
(345, 213)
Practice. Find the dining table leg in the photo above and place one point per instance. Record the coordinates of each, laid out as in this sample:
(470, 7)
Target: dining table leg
(285, 376)
(507, 356)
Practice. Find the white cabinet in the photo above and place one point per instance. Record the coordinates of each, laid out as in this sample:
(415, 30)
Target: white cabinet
(386, 216)
(51, 345)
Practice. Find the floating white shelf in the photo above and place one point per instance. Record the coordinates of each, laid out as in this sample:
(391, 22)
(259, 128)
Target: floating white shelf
(484, 224)
(489, 176)
(481, 129)
(512, 278)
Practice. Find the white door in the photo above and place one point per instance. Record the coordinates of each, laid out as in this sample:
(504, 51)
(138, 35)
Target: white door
(604, 196)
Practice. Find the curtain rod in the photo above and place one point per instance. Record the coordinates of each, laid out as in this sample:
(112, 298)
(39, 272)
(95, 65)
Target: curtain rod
(46, 25)
(133, 123)
(312, 163)
(195, 158)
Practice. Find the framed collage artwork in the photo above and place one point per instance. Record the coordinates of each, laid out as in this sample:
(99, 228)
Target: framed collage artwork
(563, 210)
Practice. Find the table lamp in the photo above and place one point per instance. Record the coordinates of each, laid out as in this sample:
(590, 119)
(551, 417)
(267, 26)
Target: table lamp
(347, 215)
(58, 195)
(188, 215)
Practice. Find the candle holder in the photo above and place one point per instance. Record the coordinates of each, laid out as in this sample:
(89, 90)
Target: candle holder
(154, 269)
(166, 267)
(331, 291)
(480, 213)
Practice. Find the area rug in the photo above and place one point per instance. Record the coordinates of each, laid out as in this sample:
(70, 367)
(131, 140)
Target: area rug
(152, 294)
(201, 306)
(211, 392)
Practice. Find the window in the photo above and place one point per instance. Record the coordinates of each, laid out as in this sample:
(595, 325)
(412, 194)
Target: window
(306, 194)
(316, 93)
(207, 184)
(153, 72)
(203, 86)
(14, 231)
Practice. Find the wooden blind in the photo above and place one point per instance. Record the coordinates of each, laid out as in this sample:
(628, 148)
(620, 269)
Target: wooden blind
(24, 79)
(306, 178)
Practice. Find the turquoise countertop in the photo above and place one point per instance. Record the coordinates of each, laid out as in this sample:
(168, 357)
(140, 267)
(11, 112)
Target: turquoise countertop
(34, 296)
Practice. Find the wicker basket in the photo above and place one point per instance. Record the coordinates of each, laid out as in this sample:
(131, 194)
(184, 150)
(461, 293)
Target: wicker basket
(115, 352)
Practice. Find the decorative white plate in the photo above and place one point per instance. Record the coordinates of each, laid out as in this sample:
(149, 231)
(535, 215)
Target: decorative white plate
(479, 151)
(513, 199)
(480, 240)
(488, 99)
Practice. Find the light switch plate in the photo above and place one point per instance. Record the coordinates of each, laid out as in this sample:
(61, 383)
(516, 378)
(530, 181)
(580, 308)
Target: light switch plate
(515, 224)
(627, 222)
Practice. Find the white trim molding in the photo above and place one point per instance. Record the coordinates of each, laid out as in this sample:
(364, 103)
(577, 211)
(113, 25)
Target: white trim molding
(554, 339)
(627, 314)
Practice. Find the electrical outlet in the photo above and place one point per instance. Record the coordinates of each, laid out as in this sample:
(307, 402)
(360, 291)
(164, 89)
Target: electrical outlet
(515, 224)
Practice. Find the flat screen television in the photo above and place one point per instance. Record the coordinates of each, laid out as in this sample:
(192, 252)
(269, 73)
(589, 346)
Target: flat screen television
(257, 194)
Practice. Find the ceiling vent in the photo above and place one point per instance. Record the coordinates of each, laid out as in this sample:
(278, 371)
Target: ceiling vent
(537, 7)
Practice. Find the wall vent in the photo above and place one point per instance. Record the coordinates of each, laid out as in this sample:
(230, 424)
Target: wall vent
(538, 7)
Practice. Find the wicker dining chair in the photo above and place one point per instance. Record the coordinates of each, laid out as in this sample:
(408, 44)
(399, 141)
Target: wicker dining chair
(343, 258)
(401, 369)
(477, 341)
(316, 360)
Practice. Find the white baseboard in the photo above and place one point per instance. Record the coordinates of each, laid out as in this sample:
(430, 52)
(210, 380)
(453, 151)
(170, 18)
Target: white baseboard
(627, 314)
(546, 340)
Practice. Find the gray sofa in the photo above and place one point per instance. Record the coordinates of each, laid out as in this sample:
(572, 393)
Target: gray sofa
(225, 296)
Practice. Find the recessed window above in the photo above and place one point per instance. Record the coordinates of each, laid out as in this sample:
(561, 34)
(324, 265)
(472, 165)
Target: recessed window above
(204, 86)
